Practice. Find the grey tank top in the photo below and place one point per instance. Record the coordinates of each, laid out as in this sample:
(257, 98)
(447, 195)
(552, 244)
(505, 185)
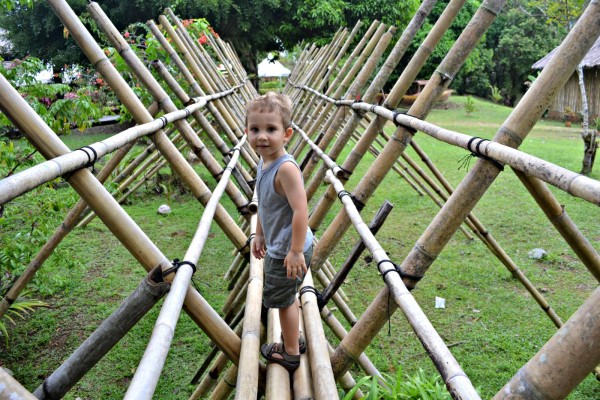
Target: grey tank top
(274, 210)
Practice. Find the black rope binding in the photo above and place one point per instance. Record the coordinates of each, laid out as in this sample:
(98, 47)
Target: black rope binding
(252, 235)
(311, 289)
(176, 264)
(357, 203)
(466, 160)
(243, 209)
(398, 124)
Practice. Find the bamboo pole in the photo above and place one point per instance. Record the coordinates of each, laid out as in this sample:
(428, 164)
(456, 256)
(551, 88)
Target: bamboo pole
(301, 379)
(248, 366)
(278, 378)
(250, 160)
(564, 361)
(392, 100)
(148, 371)
(105, 337)
(12, 389)
(162, 98)
(139, 245)
(226, 385)
(342, 81)
(320, 365)
(376, 86)
(456, 380)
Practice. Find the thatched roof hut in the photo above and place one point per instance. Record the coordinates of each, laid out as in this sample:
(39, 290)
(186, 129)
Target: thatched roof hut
(570, 95)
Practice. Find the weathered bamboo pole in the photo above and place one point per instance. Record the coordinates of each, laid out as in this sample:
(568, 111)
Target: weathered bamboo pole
(392, 100)
(139, 245)
(149, 370)
(248, 365)
(163, 99)
(24, 181)
(111, 330)
(12, 389)
(346, 381)
(456, 380)
(320, 365)
(564, 361)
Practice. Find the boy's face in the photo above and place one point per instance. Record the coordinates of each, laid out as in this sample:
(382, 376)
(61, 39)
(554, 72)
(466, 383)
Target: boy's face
(266, 134)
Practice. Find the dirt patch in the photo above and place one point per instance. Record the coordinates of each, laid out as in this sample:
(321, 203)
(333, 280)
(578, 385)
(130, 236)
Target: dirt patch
(104, 128)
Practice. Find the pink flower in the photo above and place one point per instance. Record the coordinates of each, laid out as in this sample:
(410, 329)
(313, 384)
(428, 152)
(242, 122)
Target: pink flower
(126, 35)
(203, 39)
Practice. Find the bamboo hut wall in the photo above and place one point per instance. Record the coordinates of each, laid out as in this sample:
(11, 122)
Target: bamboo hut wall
(570, 95)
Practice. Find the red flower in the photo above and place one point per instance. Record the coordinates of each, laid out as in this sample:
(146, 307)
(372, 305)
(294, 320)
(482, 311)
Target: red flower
(203, 39)
(99, 81)
(126, 35)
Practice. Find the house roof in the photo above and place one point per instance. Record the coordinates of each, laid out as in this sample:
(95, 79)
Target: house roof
(591, 59)
(271, 68)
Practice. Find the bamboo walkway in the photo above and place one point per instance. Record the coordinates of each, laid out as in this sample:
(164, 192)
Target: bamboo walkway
(334, 89)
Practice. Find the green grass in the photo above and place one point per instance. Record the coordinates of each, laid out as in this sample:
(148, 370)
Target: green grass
(491, 322)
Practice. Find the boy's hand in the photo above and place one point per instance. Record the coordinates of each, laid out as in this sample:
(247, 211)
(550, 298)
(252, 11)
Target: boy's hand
(295, 264)
(258, 247)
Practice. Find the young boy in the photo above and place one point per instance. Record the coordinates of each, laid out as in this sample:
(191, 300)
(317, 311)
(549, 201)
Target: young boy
(282, 235)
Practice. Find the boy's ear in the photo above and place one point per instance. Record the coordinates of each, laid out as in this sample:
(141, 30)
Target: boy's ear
(288, 134)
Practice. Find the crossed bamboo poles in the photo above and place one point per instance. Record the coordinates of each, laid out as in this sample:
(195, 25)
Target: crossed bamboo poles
(586, 189)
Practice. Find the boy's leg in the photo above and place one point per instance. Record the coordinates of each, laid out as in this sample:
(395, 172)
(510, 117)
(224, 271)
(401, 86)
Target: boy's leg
(289, 319)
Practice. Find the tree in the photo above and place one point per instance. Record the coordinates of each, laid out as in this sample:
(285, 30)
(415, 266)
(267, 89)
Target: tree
(518, 39)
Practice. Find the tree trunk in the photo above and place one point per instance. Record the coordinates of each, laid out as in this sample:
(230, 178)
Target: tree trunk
(588, 135)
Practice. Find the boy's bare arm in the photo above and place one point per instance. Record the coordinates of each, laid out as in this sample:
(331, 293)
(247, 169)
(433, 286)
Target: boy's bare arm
(258, 244)
(290, 180)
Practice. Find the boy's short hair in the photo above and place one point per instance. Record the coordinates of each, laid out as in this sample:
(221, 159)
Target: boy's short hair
(272, 102)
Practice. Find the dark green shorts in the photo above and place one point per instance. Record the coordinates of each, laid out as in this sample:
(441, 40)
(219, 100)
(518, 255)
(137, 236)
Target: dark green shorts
(279, 291)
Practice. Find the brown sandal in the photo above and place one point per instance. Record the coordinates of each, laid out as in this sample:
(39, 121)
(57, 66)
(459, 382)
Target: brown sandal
(291, 363)
(301, 343)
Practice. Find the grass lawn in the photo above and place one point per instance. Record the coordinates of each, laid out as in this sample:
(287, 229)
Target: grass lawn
(491, 323)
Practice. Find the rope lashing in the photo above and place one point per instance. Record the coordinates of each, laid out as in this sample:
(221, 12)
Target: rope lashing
(91, 160)
(398, 124)
(176, 264)
(357, 203)
(398, 270)
(247, 245)
(361, 113)
(475, 152)
(319, 296)
(244, 209)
